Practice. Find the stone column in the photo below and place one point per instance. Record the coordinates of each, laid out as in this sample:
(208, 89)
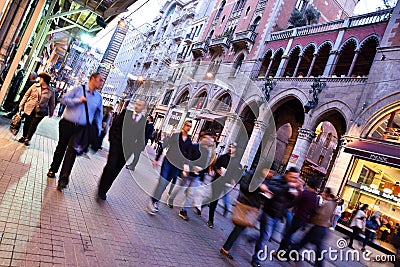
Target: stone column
(353, 63)
(269, 67)
(282, 65)
(300, 150)
(254, 142)
(331, 64)
(297, 66)
(312, 65)
(230, 132)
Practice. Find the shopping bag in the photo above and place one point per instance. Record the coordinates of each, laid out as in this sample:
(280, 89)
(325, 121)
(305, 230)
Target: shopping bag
(15, 124)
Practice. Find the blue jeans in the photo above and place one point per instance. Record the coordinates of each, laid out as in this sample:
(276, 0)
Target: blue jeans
(369, 236)
(296, 224)
(267, 227)
(190, 184)
(335, 220)
(168, 173)
(315, 236)
(288, 217)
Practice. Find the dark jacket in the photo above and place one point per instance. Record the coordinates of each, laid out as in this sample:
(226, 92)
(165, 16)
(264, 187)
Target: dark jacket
(306, 205)
(254, 198)
(125, 133)
(232, 166)
(281, 200)
(201, 157)
(149, 130)
(178, 150)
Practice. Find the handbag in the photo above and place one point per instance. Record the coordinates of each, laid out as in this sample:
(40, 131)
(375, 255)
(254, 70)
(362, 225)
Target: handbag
(88, 136)
(244, 215)
(15, 124)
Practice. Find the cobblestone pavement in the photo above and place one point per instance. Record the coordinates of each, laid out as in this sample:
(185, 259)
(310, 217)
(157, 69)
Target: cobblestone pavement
(40, 226)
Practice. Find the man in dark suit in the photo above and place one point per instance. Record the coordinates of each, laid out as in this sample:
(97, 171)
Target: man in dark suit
(127, 137)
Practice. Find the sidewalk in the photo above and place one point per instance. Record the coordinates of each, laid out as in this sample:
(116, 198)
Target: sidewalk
(43, 227)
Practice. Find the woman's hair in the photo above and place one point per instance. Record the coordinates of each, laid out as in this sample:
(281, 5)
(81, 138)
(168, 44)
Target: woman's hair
(364, 207)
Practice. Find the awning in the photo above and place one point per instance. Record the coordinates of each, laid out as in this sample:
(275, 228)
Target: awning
(377, 152)
(209, 117)
(316, 167)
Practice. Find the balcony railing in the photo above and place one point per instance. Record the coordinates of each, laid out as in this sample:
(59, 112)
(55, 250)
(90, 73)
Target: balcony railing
(236, 14)
(248, 35)
(361, 20)
(224, 40)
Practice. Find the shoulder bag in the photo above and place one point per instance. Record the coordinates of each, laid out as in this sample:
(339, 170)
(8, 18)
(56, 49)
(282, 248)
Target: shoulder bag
(244, 215)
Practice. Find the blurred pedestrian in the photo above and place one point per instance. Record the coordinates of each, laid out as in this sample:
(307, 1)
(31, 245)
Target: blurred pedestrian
(149, 129)
(274, 209)
(126, 138)
(73, 121)
(38, 102)
(358, 224)
(175, 161)
(15, 84)
(304, 209)
(227, 170)
(337, 213)
(106, 123)
(246, 197)
(31, 81)
(321, 221)
(370, 228)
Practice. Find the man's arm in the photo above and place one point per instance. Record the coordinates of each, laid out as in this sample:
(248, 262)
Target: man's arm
(72, 97)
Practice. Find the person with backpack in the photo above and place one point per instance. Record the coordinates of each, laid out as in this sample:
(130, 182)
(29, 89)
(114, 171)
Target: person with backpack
(370, 228)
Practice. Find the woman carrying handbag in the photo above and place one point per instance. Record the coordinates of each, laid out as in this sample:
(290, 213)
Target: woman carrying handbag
(38, 102)
(245, 213)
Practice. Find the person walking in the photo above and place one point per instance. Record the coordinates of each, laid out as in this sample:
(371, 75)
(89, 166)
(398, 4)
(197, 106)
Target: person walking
(31, 81)
(105, 124)
(253, 199)
(370, 229)
(149, 129)
(358, 224)
(72, 122)
(38, 102)
(126, 138)
(304, 208)
(179, 147)
(227, 170)
(321, 221)
(274, 209)
(337, 213)
(202, 155)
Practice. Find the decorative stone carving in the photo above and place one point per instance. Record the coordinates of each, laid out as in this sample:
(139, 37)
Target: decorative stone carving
(306, 134)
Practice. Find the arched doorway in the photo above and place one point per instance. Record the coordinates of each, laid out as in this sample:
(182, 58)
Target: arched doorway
(289, 117)
(329, 128)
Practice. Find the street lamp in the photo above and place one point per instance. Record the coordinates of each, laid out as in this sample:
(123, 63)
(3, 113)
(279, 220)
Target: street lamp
(317, 87)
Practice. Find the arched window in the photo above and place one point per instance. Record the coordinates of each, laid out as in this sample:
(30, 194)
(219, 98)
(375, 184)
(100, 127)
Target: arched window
(167, 97)
(254, 25)
(388, 128)
(220, 9)
(224, 103)
(237, 65)
(265, 64)
(200, 101)
(183, 99)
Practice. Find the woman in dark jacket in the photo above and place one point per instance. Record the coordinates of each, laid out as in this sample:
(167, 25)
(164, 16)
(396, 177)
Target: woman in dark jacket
(252, 199)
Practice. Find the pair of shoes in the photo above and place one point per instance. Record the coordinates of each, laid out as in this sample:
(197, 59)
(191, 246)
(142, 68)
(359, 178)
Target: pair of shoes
(183, 215)
(51, 174)
(21, 140)
(197, 211)
(151, 209)
(210, 224)
(226, 253)
(26, 142)
(170, 206)
(363, 249)
(61, 185)
(255, 264)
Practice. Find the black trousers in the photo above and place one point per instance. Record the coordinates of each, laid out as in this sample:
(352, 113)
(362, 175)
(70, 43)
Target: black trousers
(64, 149)
(115, 162)
(217, 189)
(30, 125)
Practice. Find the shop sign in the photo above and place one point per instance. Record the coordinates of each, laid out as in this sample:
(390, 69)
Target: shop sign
(293, 158)
(379, 193)
(175, 118)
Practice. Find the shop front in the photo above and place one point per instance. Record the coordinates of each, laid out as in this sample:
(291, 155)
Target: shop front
(373, 177)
